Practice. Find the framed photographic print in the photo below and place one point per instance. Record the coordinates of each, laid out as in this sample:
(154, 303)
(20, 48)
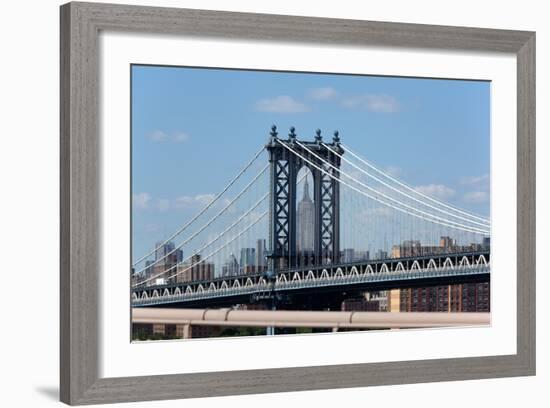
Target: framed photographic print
(233, 183)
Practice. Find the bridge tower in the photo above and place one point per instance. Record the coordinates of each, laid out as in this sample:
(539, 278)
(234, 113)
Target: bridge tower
(284, 169)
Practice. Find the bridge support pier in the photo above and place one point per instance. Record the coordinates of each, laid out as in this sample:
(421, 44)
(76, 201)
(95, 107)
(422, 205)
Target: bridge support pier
(184, 331)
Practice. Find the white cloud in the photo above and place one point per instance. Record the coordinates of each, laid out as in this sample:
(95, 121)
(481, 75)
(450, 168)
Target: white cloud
(141, 200)
(393, 170)
(159, 136)
(281, 104)
(476, 197)
(183, 201)
(180, 137)
(204, 199)
(323, 93)
(163, 204)
(436, 191)
(373, 102)
(253, 216)
(188, 201)
(144, 201)
(479, 186)
(482, 180)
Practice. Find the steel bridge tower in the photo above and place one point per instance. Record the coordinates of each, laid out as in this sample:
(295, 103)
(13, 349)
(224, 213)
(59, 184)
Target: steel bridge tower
(284, 168)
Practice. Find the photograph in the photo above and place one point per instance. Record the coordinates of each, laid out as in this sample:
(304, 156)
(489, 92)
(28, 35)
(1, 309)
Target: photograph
(269, 202)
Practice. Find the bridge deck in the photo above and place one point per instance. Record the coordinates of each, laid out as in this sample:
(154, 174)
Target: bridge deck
(395, 272)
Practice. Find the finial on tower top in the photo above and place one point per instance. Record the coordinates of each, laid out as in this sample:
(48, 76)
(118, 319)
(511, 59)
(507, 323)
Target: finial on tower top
(336, 138)
(273, 133)
(292, 134)
(318, 137)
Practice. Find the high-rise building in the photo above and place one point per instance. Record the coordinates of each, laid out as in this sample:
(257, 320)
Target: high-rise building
(248, 260)
(407, 248)
(447, 243)
(348, 255)
(475, 297)
(148, 268)
(195, 269)
(361, 256)
(167, 259)
(465, 297)
(161, 249)
(305, 218)
(167, 253)
(231, 266)
(261, 264)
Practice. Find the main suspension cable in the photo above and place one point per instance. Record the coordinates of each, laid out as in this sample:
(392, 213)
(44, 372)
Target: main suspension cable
(205, 208)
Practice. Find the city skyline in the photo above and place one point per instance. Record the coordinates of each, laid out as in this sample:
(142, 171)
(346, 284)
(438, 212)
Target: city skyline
(253, 260)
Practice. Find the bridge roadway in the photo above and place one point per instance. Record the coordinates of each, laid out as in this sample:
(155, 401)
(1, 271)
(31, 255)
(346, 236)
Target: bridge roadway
(342, 278)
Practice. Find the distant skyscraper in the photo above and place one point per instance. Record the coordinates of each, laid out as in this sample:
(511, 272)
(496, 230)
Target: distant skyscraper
(446, 245)
(161, 249)
(195, 269)
(260, 255)
(248, 260)
(348, 255)
(148, 268)
(361, 255)
(167, 259)
(231, 266)
(167, 253)
(305, 221)
(447, 242)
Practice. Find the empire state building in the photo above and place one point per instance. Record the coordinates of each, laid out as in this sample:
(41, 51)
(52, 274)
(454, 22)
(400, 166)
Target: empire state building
(305, 221)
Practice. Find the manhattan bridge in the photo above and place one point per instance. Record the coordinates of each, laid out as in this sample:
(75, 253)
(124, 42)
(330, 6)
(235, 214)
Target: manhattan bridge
(316, 224)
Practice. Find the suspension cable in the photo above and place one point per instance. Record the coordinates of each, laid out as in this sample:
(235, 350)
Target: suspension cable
(246, 188)
(470, 229)
(485, 224)
(219, 235)
(384, 195)
(347, 149)
(205, 208)
(206, 257)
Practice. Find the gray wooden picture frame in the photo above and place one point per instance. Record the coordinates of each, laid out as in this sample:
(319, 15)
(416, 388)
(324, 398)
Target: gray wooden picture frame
(80, 189)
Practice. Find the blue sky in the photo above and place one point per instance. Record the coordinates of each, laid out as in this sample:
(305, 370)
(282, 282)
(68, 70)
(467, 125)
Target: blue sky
(193, 129)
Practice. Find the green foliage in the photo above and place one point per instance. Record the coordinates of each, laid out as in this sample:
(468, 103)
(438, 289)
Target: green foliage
(142, 335)
(242, 331)
(303, 330)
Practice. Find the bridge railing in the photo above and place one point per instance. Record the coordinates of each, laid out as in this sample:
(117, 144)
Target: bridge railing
(258, 275)
(309, 319)
(337, 277)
